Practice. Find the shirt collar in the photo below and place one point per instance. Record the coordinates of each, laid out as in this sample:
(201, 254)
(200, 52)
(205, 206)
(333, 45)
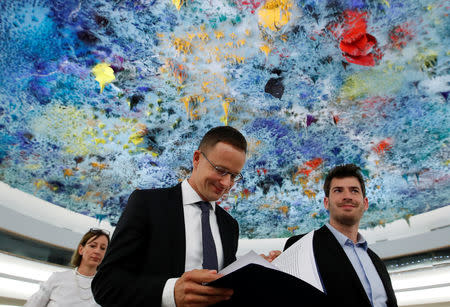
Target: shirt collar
(343, 240)
(190, 196)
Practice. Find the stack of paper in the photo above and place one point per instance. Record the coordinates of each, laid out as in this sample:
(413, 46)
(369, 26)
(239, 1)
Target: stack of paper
(298, 260)
(291, 277)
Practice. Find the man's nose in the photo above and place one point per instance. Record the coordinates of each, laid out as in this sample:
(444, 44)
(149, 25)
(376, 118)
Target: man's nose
(347, 194)
(226, 180)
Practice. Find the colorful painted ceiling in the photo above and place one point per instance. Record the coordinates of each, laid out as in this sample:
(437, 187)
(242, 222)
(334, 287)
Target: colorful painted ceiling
(99, 98)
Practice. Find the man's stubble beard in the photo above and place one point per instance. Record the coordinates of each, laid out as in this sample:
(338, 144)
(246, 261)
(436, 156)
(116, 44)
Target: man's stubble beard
(349, 220)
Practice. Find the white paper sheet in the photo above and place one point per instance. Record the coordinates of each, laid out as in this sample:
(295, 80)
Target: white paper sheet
(298, 260)
(250, 257)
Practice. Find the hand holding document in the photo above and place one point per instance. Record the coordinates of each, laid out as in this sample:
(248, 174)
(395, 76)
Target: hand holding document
(291, 277)
(272, 255)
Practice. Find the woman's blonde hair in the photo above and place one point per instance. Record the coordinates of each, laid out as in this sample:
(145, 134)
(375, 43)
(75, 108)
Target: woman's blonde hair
(92, 233)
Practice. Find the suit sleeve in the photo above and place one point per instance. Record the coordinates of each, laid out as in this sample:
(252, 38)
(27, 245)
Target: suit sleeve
(122, 279)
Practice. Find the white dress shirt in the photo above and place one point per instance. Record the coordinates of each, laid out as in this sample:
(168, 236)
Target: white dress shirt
(68, 288)
(194, 246)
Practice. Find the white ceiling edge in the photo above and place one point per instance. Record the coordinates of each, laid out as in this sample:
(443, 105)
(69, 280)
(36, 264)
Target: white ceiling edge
(30, 216)
(418, 224)
(425, 232)
(427, 241)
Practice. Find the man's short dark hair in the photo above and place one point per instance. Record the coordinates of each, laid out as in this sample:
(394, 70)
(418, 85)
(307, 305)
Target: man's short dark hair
(343, 171)
(224, 134)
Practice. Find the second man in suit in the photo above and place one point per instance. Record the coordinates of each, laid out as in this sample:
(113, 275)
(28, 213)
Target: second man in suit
(350, 272)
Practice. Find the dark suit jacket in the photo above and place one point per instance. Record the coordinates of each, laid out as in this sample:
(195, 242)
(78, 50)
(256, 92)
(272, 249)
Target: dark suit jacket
(340, 280)
(148, 247)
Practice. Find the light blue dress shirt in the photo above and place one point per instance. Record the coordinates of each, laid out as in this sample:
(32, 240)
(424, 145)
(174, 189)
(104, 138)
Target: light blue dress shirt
(364, 267)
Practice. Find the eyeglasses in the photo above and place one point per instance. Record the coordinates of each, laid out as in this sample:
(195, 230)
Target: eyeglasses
(223, 172)
(99, 231)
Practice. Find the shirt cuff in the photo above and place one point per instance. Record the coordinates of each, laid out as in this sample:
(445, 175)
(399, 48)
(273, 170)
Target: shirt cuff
(168, 295)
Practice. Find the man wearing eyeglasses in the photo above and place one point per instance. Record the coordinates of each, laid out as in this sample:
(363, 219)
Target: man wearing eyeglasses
(169, 242)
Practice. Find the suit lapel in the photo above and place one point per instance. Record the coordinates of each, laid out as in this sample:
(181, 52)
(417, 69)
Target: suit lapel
(227, 239)
(176, 229)
(384, 276)
(336, 271)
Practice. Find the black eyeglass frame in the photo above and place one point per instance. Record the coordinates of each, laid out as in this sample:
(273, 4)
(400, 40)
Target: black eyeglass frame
(223, 172)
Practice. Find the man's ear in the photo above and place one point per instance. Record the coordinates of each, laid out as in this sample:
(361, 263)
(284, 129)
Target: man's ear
(366, 204)
(325, 202)
(196, 159)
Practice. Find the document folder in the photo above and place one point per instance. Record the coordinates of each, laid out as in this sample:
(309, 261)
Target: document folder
(257, 285)
(291, 279)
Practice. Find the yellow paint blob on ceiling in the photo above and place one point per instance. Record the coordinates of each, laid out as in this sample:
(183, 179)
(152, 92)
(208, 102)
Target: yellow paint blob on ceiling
(275, 14)
(104, 74)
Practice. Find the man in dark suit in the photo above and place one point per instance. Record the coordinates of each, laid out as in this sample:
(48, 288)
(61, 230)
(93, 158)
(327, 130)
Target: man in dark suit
(351, 274)
(157, 255)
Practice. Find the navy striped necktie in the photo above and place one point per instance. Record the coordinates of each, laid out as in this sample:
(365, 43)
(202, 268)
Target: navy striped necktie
(209, 247)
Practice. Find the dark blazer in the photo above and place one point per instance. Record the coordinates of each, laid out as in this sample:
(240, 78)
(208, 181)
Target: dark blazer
(339, 279)
(149, 246)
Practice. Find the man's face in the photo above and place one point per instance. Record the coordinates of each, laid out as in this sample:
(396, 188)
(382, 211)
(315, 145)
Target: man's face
(346, 203)
(205, 180)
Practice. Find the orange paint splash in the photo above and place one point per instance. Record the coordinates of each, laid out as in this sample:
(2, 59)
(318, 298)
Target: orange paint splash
(383, 146)
(308, 167)
(182, 46)
(100, 166)
(310, 194)
(178, 71)
(292, 228)
(245, 193)
(336, 119)
(314, 163)
(191, 103)
(284, 209)
(68, 172)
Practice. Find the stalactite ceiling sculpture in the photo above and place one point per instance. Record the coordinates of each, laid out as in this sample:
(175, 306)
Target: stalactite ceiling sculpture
(99, 98)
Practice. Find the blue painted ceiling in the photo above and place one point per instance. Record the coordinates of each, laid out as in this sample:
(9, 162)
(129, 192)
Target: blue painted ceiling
(98, 98)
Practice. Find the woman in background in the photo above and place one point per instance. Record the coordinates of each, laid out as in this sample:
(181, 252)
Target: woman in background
(73, 288)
